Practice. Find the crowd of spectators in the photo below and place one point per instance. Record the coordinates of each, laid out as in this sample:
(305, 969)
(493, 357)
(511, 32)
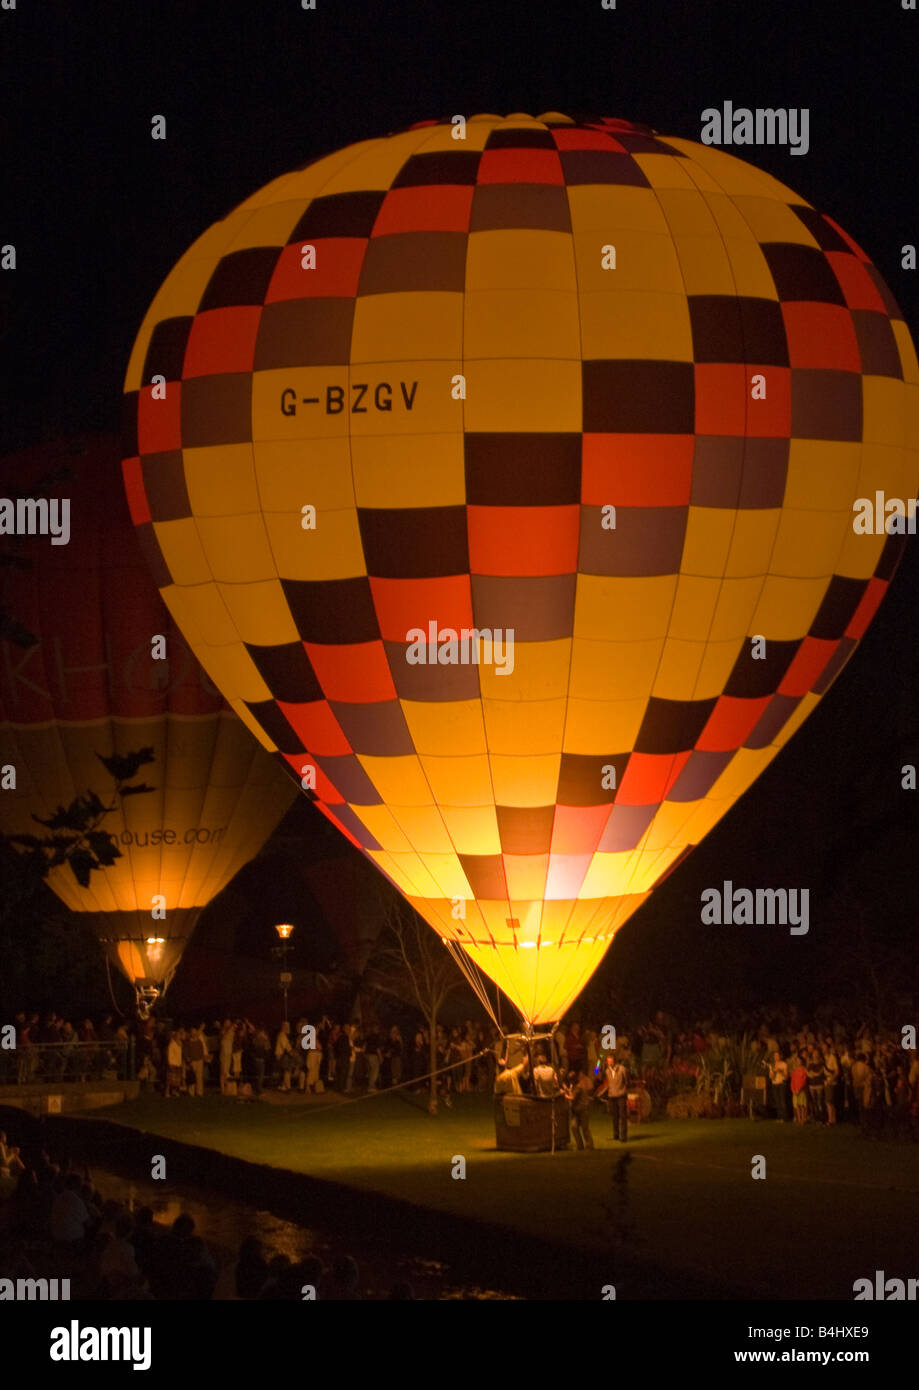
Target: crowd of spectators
(239, 1056)
(53, 1048)
(55, 1224)
(819, 1069)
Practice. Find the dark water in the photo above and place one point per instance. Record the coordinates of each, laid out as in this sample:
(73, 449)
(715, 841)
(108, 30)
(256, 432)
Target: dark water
(224, 1222)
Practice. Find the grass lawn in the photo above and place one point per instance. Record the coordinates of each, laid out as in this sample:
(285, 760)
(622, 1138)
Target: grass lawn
(834, 1206)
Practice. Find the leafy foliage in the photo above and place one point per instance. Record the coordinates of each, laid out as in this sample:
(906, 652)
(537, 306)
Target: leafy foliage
(76, 836)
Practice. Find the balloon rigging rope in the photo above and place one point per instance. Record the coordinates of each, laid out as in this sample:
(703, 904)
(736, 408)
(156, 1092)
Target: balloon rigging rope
(108, 976)
(473, 976)
(413, 1081)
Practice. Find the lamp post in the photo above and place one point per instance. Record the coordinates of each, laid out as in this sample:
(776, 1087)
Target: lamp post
(284, 930)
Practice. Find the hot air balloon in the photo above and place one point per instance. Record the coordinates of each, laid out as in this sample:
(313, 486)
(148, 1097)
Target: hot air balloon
(92, 686)
(504, 484)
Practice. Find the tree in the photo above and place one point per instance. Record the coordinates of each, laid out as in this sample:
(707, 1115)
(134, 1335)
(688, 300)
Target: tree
(412, 965)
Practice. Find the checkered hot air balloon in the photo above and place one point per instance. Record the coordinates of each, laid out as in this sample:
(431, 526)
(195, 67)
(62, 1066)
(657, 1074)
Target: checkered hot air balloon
(612, 393)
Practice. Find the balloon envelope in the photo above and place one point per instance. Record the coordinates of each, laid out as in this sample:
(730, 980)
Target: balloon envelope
(602, 397)
(90, 686)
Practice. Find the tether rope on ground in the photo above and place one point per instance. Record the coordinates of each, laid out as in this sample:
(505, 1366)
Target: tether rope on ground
(412, 1081)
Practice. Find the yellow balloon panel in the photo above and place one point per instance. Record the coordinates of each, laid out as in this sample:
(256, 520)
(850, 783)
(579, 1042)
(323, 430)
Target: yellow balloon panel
(397, 472)
(409, 327)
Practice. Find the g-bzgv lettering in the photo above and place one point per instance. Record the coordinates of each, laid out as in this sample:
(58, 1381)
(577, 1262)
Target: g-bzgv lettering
(380, 397)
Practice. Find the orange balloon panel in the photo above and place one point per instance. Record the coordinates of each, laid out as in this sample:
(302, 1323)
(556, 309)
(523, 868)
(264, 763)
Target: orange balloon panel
(91, 686)
(147, 960)
(504, 485)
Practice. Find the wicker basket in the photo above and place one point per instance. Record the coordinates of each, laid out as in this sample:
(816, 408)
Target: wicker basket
(527, 1124)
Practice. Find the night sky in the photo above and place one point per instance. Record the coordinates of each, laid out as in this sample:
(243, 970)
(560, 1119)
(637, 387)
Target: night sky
(99, 213)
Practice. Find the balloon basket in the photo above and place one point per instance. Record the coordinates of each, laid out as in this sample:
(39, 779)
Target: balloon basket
(529, 1124)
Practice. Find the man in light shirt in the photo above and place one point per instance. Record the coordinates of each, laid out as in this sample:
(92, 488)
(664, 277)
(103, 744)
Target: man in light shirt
(615, 1085)
(544, 1077)
(778, 1075)
(174, 1066)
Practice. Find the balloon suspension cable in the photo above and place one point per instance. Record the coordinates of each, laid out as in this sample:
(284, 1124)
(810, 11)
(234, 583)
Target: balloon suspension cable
(475, 981)
(111, 992)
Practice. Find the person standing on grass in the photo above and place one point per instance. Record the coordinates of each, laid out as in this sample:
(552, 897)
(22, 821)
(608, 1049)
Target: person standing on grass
(313, 1063)
(778, 1076)
(859, 1075)
(239, 1038)
(420, 1055)
(298, 1055)
(360, 1071)
(831, 1085)
(331, 1055)
(174, 1067)
(615, 1085)
(816, 1084)
(467, 1048)
(373, 1051)
(283, 1055)
(196, 1053)
(227, 1040)
(261, 1051)
(344, 1058)
(395, 1056)
(799, 1089)
(580, 1093)
(873, 1100)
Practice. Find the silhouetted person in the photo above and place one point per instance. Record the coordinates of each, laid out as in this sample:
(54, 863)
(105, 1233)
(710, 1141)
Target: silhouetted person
(345, 1283)
(251, 1269)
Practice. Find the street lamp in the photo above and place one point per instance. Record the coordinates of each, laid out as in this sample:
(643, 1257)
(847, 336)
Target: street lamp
(284, 930)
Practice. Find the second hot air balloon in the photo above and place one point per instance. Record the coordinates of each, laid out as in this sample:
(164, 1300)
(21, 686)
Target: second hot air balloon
(92, 685)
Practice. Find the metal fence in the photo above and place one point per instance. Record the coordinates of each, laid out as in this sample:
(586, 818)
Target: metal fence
(67, 1062)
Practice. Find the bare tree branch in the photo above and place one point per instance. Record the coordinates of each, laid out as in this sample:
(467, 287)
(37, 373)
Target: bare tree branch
(411, 964)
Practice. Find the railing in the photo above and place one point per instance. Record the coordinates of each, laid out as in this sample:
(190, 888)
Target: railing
(43, 1064)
